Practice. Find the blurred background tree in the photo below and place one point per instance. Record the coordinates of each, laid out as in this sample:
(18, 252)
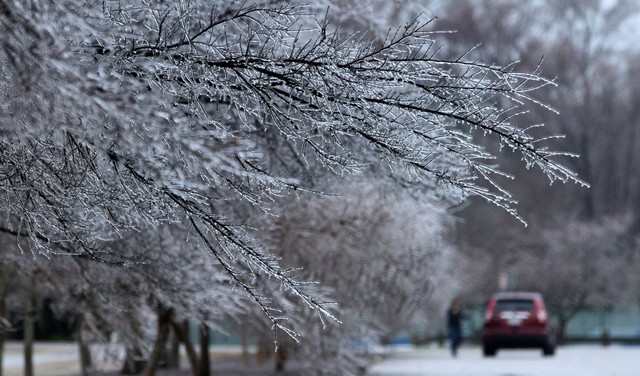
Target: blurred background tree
(588, 46)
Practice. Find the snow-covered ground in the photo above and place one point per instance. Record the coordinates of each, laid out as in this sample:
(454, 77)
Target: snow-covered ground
(49, 358)
(583, 360)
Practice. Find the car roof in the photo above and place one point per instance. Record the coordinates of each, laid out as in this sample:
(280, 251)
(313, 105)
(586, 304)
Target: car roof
(517, 295)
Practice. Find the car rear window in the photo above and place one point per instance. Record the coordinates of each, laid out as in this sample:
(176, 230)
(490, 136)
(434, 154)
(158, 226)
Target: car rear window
(514, 305)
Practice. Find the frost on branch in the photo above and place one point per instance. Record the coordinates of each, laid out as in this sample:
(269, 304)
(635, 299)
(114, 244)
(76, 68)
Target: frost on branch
(122, 115)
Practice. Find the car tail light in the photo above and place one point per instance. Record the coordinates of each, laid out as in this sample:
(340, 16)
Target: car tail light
(488, 314)
(541, 313)
(542, 316)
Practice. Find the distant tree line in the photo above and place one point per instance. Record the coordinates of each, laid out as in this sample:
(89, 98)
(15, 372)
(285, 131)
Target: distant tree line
(580, 247)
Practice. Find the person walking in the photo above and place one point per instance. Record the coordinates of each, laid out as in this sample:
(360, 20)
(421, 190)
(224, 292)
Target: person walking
(454, 324)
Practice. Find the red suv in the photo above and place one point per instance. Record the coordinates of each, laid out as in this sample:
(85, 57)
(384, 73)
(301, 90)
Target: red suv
(517, 320)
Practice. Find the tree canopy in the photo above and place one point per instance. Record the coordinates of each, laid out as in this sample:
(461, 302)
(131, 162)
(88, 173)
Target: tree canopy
(124, 116)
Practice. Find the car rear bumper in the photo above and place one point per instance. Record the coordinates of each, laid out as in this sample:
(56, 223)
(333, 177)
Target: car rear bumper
(515, 340)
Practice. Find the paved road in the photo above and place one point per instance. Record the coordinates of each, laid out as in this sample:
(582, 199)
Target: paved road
(571, 360)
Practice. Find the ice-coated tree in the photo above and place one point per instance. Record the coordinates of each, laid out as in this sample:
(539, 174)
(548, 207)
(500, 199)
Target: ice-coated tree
(120, 116)
(377, 250)
(10, 292)
(141, 305)
(26, 283)
(585, 264)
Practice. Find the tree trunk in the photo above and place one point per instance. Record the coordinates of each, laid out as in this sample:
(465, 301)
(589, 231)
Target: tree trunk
(173, 353)
(282, 355)
(562, 325)
(4, 291)
(28, 328)
(86, 363)
(30, 312)
(205, 363)
(2, 337)
(245, 342)
(263, 352)
(284, 351)
(182, 331)
(83, 347)
(164, 322)
(133, 364)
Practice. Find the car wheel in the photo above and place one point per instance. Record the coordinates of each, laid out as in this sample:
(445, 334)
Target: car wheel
(489, 351)
(548, 350)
